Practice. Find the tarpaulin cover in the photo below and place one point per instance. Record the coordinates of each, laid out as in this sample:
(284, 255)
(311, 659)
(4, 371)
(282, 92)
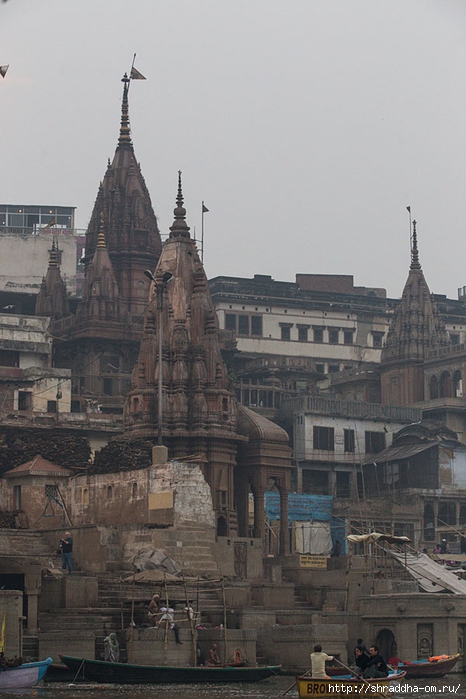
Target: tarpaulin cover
(430, 576)
(313, 537)
(377, 536)
(301, 507)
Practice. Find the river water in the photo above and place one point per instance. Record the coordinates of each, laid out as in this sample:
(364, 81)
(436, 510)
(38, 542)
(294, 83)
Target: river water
(273, 688)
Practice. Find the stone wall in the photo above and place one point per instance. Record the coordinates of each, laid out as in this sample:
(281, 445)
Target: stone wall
(11, 604)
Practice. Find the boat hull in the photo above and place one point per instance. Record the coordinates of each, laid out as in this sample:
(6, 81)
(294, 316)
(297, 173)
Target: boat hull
(422, 670)
(315, 688)
(27, 675)
(125, 673)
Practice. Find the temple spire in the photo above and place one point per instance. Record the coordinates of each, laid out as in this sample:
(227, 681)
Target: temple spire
(415, 264)
(179, 226)
(125, 131)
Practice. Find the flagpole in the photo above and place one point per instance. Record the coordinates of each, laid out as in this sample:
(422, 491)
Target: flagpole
(132, 66)
(202, 233)
(410, 230)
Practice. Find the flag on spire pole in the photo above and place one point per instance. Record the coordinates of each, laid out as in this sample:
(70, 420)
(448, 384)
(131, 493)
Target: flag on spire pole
(204, 209)
(136, 75)
(3, 70)
(408, 209)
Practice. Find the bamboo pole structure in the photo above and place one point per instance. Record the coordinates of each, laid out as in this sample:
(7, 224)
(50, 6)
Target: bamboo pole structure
(165, 638)
(130, 644)
(191, 622)
(224, 622)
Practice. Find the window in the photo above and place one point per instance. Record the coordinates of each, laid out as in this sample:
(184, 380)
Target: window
(315, 482)
(303, 333)
(320, 368)
(286, 332)
(9, 358)
(51, 491)
(243, 325)
(455, 339)
(134, 490)
(256, 326)
(446, 514)
(342, 484)
(333, 337)
(110, 364)
(348, 337)
(348, 436)
(333, 368)
(324, 438)
(230, 321)
(51, 406)
(85, 496)
(377, 339)
(16, 497)
(375, 442)
(24, 400)
(108, 387)
(318, 334)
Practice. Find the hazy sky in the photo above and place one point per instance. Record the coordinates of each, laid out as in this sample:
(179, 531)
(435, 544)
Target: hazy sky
(307, 126)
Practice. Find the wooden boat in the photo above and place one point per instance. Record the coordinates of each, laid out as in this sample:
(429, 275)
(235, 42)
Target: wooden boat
(312, 688)
(125, 673)
(417, 669)
(25, 675)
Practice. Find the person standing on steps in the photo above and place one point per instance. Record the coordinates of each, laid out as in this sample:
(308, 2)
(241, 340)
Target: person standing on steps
(66, 545)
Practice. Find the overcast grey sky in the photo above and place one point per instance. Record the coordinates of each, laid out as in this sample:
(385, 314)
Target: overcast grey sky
(307, 126)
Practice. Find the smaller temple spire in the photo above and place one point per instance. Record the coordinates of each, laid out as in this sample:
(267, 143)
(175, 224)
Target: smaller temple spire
(415, 264)
(125, 131)
(53, 257)
(179, 226)
(101, 235)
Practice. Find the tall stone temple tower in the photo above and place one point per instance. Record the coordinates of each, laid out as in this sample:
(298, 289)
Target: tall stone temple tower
(239, 451)
(415, 329)
(101, 341)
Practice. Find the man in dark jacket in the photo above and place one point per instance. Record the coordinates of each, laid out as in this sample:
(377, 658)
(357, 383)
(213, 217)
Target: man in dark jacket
(376, 667)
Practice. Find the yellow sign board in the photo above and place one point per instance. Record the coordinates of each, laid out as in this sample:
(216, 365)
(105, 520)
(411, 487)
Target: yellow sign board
(306, 561)
(161, 501)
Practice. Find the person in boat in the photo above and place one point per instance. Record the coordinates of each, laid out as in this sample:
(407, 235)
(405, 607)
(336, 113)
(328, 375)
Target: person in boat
(153, 610)
(437, 548)
(167, 620)
(361, 659)
(376, 666)
(360, 642)
(213, 658)
(318, 660)
(444, 546)
(111, 649)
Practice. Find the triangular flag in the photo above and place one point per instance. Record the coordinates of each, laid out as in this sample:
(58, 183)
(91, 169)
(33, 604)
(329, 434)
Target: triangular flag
(136, 75)
(204, 208)
(3, 70)
(53, 222)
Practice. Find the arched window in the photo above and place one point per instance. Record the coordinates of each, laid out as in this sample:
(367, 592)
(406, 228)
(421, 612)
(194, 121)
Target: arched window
(457, 384)
(85, 496)
(433, 387)
(445, 385)
(446, 514)
(134, 491)
(429, 528)
(109, 492)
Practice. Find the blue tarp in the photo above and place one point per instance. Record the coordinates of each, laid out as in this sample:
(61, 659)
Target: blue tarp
(301, 507)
